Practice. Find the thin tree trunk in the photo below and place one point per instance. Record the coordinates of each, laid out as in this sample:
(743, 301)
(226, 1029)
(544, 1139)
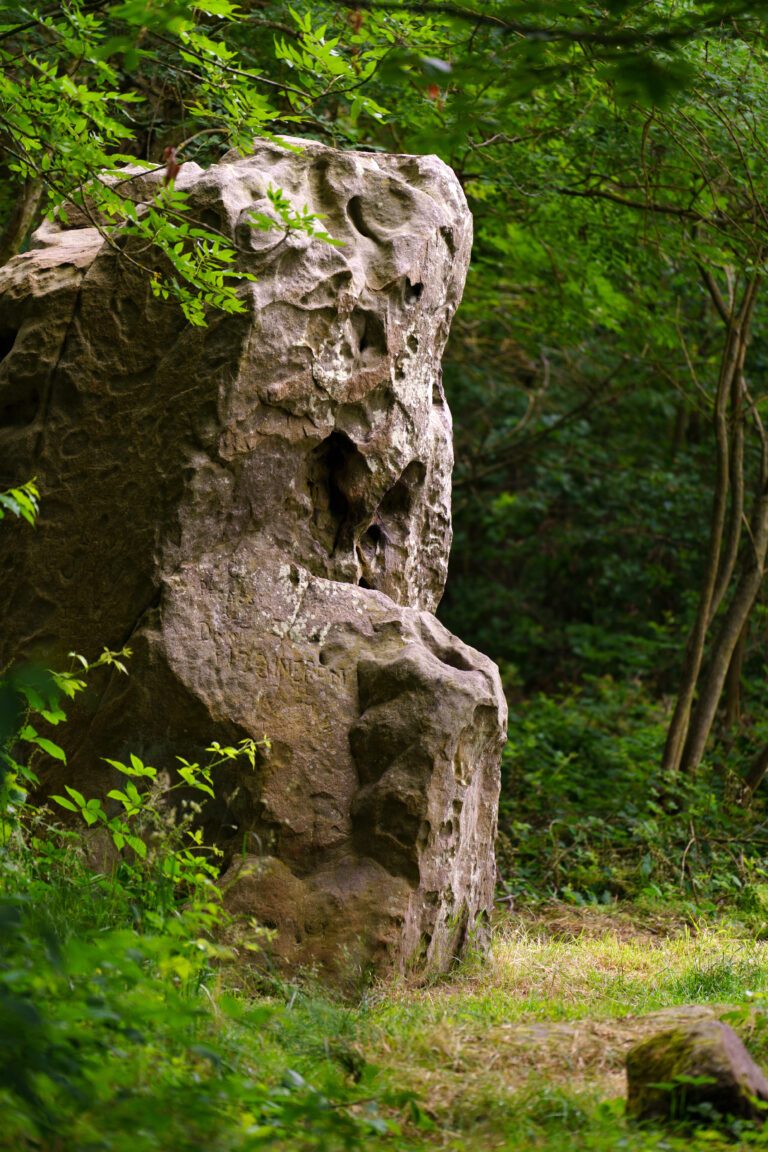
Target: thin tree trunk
(734, 624)
(21, 221)
(732, 718)
(754, 776)
(736, 483)
(694, 653)
(680, 428)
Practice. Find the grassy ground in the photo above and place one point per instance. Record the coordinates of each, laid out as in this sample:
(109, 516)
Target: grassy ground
(116, 1040)
(526, 1049)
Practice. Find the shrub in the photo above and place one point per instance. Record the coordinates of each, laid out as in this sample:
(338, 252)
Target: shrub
(586, 814)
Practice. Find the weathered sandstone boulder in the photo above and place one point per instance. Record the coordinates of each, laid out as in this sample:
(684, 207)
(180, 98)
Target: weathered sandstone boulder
(698, 1071)
(261, 509)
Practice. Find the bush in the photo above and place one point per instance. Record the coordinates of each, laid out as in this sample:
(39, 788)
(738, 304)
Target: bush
(586, 814)
(116, 1029)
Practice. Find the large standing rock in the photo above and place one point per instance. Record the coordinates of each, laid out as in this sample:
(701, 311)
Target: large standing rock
(261, 508)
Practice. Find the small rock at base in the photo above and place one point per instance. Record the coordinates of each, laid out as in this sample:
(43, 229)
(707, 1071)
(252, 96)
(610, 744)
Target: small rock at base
(694, 1071)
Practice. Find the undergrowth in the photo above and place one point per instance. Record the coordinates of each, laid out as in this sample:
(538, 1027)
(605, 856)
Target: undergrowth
(587, 816)
(126, 1025)
(119, 1029)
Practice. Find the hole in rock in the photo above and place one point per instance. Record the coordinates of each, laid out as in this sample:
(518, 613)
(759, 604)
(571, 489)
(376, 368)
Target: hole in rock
(363, 583)
(373, 336)
(20, 407)
(374, 534)
(326, 293)
(338, 477)
(412, 343)
(355, 213)
(454, 659)
(447, 235)
(412, 291)
(401, 496)
(209, 218)
(335, 453)
(7, 341)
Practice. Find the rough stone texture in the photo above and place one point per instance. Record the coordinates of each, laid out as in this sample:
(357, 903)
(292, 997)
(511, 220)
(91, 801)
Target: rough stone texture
(701, 1049)
(261, 508)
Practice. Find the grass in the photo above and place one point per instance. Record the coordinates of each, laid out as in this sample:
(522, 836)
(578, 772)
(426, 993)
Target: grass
(140, 1048)
(526, 1049)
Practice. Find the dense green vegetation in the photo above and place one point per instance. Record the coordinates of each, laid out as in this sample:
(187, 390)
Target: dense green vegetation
(611, 506)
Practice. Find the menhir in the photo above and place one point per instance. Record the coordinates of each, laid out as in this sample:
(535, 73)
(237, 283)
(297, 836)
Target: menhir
(261, 509)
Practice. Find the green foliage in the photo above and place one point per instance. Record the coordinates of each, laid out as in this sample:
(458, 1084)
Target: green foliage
(200, 260)
(290, 219)
(587, 816)
(159, 845)
(115, 1030)
(588, 564)
(23, 501)
(118, 1038)
(29, 692)
(74, 83)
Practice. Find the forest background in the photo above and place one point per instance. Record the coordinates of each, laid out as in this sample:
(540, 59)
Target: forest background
(606, 373)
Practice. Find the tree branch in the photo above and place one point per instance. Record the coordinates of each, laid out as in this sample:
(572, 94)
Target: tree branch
(642, 37)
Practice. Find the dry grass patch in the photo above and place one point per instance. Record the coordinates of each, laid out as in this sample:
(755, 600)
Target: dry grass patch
(544, 970)
(556, 1004)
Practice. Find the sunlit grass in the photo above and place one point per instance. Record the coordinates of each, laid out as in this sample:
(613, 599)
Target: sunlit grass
(553, 976)
(526, 1048)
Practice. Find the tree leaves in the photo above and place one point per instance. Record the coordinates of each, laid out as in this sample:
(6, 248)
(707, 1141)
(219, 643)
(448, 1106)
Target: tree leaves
(23, 501)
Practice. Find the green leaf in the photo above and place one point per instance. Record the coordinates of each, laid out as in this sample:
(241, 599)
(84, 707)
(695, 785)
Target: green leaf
(61, 800)
(51, 748)
(137, 845)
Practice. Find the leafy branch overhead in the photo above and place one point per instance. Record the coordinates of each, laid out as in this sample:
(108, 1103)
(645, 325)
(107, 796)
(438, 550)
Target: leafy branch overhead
(88, 88)
(76, 105)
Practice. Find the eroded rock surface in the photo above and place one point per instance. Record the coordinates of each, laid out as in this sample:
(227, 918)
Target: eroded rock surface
(696, 1071)
(261, 508)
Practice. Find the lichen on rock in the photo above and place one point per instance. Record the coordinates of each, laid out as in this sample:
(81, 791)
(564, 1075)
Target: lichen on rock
(262, 509)
(699, 1071)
